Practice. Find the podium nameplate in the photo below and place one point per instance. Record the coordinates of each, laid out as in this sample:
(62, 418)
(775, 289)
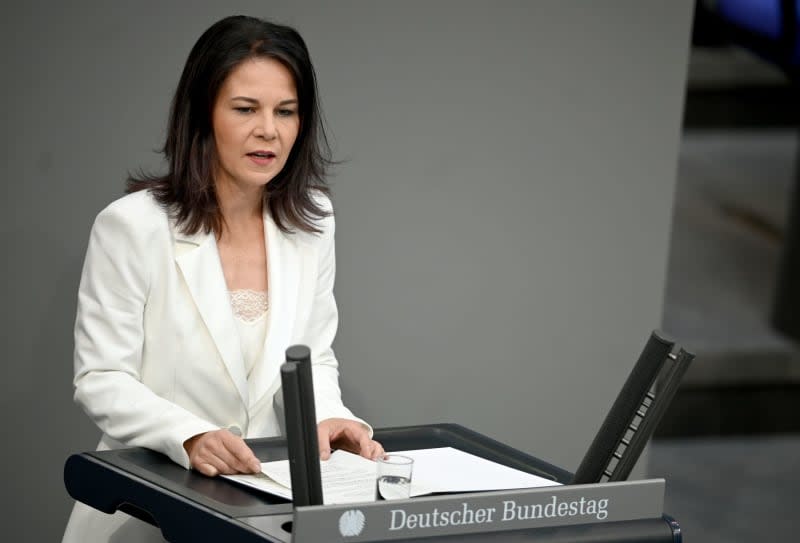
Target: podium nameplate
(480, 512)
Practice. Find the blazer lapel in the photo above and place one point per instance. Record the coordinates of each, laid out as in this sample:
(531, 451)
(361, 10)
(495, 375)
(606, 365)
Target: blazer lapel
(285, 260)
(198, 259)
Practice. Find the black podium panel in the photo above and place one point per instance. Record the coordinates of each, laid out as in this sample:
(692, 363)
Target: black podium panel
(188, 506)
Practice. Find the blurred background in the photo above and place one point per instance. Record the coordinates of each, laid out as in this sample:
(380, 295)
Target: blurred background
(729, 445)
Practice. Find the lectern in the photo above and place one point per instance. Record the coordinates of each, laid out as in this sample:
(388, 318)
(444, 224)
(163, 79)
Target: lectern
(189, 507)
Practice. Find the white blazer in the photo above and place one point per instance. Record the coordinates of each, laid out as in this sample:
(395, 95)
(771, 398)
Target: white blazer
(157, 353)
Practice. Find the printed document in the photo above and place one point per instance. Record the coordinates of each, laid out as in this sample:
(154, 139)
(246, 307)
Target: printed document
(349, 478)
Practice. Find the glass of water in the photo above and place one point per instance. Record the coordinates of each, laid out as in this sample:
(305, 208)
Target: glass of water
(394, 477)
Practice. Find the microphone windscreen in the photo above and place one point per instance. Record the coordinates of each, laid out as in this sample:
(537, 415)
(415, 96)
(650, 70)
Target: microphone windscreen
(624, 409)
(298, 466)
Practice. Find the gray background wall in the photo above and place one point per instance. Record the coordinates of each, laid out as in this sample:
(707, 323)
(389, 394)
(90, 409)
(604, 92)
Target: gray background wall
(503, 213)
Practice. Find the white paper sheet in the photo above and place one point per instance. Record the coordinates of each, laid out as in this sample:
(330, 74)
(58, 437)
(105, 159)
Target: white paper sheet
(346, 478)
(349, 478)
(446, 469)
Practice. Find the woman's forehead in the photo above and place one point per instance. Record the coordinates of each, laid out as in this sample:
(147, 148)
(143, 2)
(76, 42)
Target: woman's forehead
(261, 79)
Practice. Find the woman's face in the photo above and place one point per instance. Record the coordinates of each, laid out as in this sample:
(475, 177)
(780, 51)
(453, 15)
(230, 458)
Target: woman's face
(256, 122)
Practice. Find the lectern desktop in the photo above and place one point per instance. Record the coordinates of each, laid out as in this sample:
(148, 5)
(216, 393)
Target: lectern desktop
(189, 507)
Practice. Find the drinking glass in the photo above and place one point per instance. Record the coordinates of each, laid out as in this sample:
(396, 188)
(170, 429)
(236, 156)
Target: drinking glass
(394, 477)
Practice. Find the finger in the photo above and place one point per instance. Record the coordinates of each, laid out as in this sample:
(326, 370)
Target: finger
(234, 464)
(377, 450)
(223, 462)
(324, 440)
(244, 458)
(365, 445)
(213, 450)
(359, 438)
(209, 452)
(353, 437)
(207, 469)
(208, 463)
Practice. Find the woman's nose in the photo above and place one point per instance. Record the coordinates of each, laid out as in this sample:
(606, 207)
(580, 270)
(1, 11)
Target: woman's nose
(266, 128)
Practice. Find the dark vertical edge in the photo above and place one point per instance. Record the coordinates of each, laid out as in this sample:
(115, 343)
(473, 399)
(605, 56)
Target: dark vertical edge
(290, 385)
(788, 33)
(301, 355)
(786, 297)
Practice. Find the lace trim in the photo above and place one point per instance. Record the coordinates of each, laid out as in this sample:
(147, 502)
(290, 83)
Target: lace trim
(249, 305)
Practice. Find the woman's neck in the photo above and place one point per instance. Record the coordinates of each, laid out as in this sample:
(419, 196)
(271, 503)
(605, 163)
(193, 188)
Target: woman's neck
(240, 210)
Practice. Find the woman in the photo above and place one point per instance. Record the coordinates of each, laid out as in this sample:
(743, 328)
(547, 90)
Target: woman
(196, 282)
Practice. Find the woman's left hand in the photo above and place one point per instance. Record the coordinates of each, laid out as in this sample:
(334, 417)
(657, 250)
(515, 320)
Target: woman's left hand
(348, 435)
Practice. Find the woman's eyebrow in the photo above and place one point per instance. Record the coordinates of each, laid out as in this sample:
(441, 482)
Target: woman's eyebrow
(249, 100)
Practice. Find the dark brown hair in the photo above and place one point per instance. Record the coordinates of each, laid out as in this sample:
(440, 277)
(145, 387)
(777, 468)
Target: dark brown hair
(187, 189)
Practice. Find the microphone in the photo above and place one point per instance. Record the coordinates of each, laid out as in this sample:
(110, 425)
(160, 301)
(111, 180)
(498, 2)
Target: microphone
(667, 387)
(624, 410)
(301, 427)
(301, 355)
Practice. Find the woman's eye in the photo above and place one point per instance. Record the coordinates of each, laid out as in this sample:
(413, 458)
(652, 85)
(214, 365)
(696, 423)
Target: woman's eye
(245, 109)
(286, 112)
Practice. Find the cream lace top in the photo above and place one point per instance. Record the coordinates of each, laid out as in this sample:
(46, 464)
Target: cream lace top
(251, 309)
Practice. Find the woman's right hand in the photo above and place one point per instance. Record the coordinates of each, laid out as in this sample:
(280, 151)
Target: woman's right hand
(220, 452)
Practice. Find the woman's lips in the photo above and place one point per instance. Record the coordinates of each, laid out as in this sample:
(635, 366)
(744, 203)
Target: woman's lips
(262, 158)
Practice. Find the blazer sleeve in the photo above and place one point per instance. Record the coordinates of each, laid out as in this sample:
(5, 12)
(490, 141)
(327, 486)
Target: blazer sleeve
(109, 338)
(322, 331)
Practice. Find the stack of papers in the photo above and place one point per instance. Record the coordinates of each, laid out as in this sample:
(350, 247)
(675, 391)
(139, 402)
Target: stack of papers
(349, 478)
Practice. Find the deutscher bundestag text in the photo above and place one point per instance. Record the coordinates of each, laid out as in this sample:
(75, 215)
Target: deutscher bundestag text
(511, 510)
